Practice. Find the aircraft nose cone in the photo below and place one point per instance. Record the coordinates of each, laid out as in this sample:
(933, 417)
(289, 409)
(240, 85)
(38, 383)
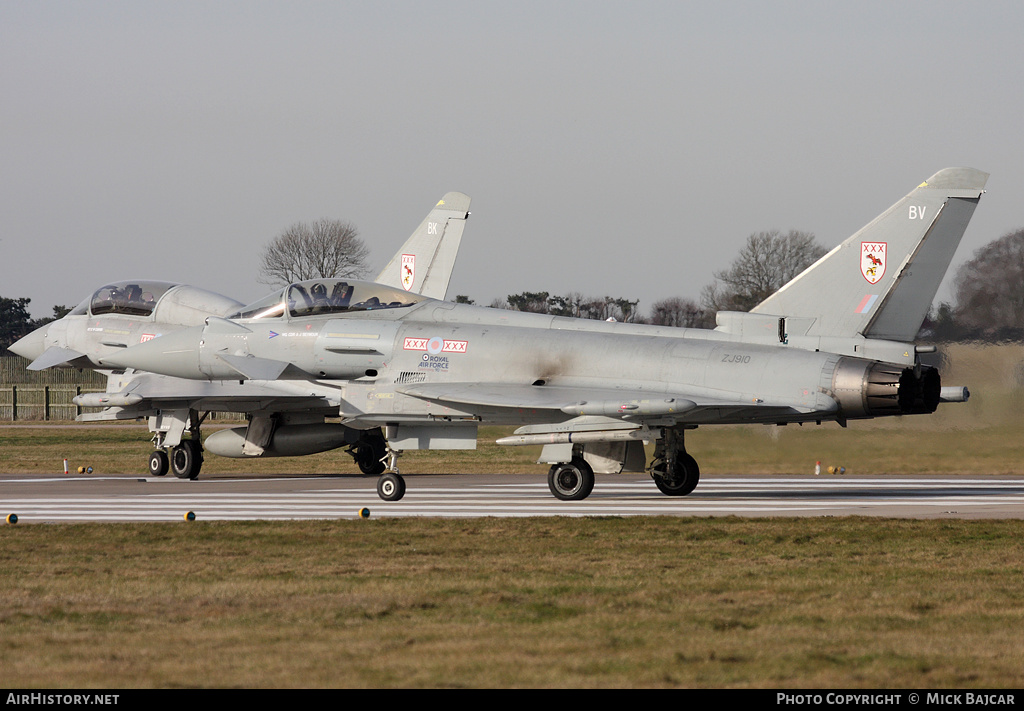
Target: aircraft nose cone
(30, 346)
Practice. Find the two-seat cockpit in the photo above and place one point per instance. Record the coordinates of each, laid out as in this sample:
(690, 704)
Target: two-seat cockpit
(160, 301)
(130, 298)
(319, 297)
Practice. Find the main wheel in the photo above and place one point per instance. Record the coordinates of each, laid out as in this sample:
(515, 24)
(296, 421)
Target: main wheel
(572, 481)
(368, 454)
(391, 487)
(158, 463)
(187, 459)
(684, 477)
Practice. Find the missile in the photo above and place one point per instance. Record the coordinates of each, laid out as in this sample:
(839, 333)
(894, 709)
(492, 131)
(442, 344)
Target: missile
(107, 399)
(641, 433)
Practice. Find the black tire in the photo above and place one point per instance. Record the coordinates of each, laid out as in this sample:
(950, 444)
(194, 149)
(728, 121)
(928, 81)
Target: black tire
(187, 459)
(684, 479)
(572, 481)
(391, 487)
(368, 455)
(159, 464)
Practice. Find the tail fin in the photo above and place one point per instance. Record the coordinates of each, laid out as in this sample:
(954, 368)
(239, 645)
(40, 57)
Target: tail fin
(880, 282)
(425, 262)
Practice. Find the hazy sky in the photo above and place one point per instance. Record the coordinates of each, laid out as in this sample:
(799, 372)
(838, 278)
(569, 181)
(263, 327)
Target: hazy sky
(611, 148)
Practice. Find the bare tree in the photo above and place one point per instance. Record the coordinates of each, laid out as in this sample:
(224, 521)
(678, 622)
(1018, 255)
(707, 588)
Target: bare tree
(321, 250)
(679, 312)
(767, 261)
(990, 287)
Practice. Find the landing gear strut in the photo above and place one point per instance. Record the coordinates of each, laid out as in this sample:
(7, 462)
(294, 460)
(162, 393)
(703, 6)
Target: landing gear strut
(391, 485)
(675, 472)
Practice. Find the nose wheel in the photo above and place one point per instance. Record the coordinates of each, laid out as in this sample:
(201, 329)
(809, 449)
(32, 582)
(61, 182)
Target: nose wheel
(391, 485)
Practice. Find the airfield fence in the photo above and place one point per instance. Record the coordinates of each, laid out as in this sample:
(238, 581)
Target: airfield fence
(45, 394)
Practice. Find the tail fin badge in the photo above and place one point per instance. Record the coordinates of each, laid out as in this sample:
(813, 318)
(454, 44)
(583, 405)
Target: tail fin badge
(872, 261)
(408, 270)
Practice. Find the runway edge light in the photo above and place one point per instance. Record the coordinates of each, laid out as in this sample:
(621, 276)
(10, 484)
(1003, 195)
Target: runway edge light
(189, 516)
(12, 518)
(364, 512)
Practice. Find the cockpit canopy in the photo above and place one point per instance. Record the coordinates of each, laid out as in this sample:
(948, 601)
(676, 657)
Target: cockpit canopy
(157, 300)
(131, 298)
(327, 296)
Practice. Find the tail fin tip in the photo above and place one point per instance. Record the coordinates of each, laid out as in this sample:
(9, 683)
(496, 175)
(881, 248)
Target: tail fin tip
(957, 179)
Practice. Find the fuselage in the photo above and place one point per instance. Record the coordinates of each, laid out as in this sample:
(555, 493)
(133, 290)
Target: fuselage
(404, 358)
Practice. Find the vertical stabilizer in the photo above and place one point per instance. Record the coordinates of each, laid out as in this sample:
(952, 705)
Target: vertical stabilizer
(425, 262)
(880, 282)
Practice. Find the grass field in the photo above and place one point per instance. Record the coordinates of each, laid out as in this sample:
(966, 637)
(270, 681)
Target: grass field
(595, 602)
(515, 603)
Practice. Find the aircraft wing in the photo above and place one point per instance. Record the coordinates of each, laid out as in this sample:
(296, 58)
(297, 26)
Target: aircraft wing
(631, 405)
(144, 393)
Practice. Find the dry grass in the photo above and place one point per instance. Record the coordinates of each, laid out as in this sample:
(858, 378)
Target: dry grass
(515, 603)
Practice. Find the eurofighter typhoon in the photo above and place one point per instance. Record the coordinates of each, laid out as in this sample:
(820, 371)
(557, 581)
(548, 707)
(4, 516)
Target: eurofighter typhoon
(404, 371)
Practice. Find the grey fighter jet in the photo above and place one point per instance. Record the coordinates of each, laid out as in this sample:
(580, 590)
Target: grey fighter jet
(834, 344)
(122, 314)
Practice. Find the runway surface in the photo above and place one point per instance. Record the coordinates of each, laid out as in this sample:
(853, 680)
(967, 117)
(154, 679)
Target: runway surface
(38, 499)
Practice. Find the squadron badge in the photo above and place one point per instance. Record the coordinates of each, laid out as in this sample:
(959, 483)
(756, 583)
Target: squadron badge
(408, 271)
(872, 260)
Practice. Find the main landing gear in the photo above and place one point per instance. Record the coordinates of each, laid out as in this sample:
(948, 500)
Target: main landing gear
(571, 481)
(184, 459)
(675, 472)
(370, 452)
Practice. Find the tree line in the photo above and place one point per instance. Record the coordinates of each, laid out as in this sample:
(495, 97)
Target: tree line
(766, 261)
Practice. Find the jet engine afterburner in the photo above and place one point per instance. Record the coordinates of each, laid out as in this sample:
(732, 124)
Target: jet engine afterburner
(867, 388)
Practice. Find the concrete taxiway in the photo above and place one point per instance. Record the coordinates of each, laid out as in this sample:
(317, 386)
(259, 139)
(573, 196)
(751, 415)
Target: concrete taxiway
(39, 498)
